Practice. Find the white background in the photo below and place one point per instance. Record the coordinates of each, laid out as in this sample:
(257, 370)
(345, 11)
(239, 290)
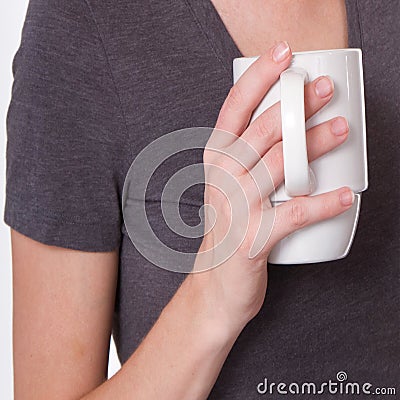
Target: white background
(12, 14)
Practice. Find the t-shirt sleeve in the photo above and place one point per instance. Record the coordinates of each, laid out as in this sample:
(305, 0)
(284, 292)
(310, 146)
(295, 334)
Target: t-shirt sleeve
(64, 126)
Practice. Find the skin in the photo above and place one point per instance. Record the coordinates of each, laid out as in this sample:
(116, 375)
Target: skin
(64, 299)
(305, 24)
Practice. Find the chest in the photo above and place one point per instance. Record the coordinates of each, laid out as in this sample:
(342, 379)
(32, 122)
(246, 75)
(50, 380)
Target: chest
(306, 24)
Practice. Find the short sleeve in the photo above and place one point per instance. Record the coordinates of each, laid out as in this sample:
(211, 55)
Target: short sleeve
(64, 127)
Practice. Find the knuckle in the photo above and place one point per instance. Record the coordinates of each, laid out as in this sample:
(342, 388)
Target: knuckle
(327, 209)
(276, 157)
(262, 127)
(298, 214)
(224, 163)
(219, 169)
(235, 98)
(321, 140)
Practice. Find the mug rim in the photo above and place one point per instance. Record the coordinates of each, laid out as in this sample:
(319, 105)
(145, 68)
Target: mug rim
(310, 52)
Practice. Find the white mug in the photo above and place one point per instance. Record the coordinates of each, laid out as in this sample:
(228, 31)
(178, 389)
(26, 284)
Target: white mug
(344, 166)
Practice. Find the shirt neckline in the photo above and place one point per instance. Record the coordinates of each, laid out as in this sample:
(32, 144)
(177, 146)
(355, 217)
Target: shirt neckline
(223, 45)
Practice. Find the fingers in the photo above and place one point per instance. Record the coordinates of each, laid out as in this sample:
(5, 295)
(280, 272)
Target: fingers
(252, 86)
(317, 94)
(268, 172)
(325, 137)
(303, 211)
(266, 130)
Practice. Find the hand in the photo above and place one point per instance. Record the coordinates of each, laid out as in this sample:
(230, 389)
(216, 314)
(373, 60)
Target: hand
(243, 164)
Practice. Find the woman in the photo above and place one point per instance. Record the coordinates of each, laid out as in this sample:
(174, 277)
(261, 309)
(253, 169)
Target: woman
(95, 82)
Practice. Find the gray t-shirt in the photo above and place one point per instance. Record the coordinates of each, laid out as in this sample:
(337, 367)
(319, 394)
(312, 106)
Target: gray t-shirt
(97, 80)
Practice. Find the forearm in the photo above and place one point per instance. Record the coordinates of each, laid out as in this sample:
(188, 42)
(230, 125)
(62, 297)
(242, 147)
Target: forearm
(181, 356)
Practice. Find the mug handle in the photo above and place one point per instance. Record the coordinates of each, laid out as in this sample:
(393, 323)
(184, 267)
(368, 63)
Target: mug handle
(298, 179)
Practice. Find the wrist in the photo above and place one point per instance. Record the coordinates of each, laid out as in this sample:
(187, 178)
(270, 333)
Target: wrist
(208, 311)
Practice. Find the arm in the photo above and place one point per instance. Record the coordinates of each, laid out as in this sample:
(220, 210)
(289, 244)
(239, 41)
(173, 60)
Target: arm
(63, 299)
(62, 308)
(63, 303)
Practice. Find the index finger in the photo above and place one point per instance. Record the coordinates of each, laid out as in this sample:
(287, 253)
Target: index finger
(251, 87)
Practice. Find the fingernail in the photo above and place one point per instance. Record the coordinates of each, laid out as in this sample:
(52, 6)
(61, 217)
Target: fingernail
(339, 126)
(281, 52)
(324, 87)
(347, 198)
